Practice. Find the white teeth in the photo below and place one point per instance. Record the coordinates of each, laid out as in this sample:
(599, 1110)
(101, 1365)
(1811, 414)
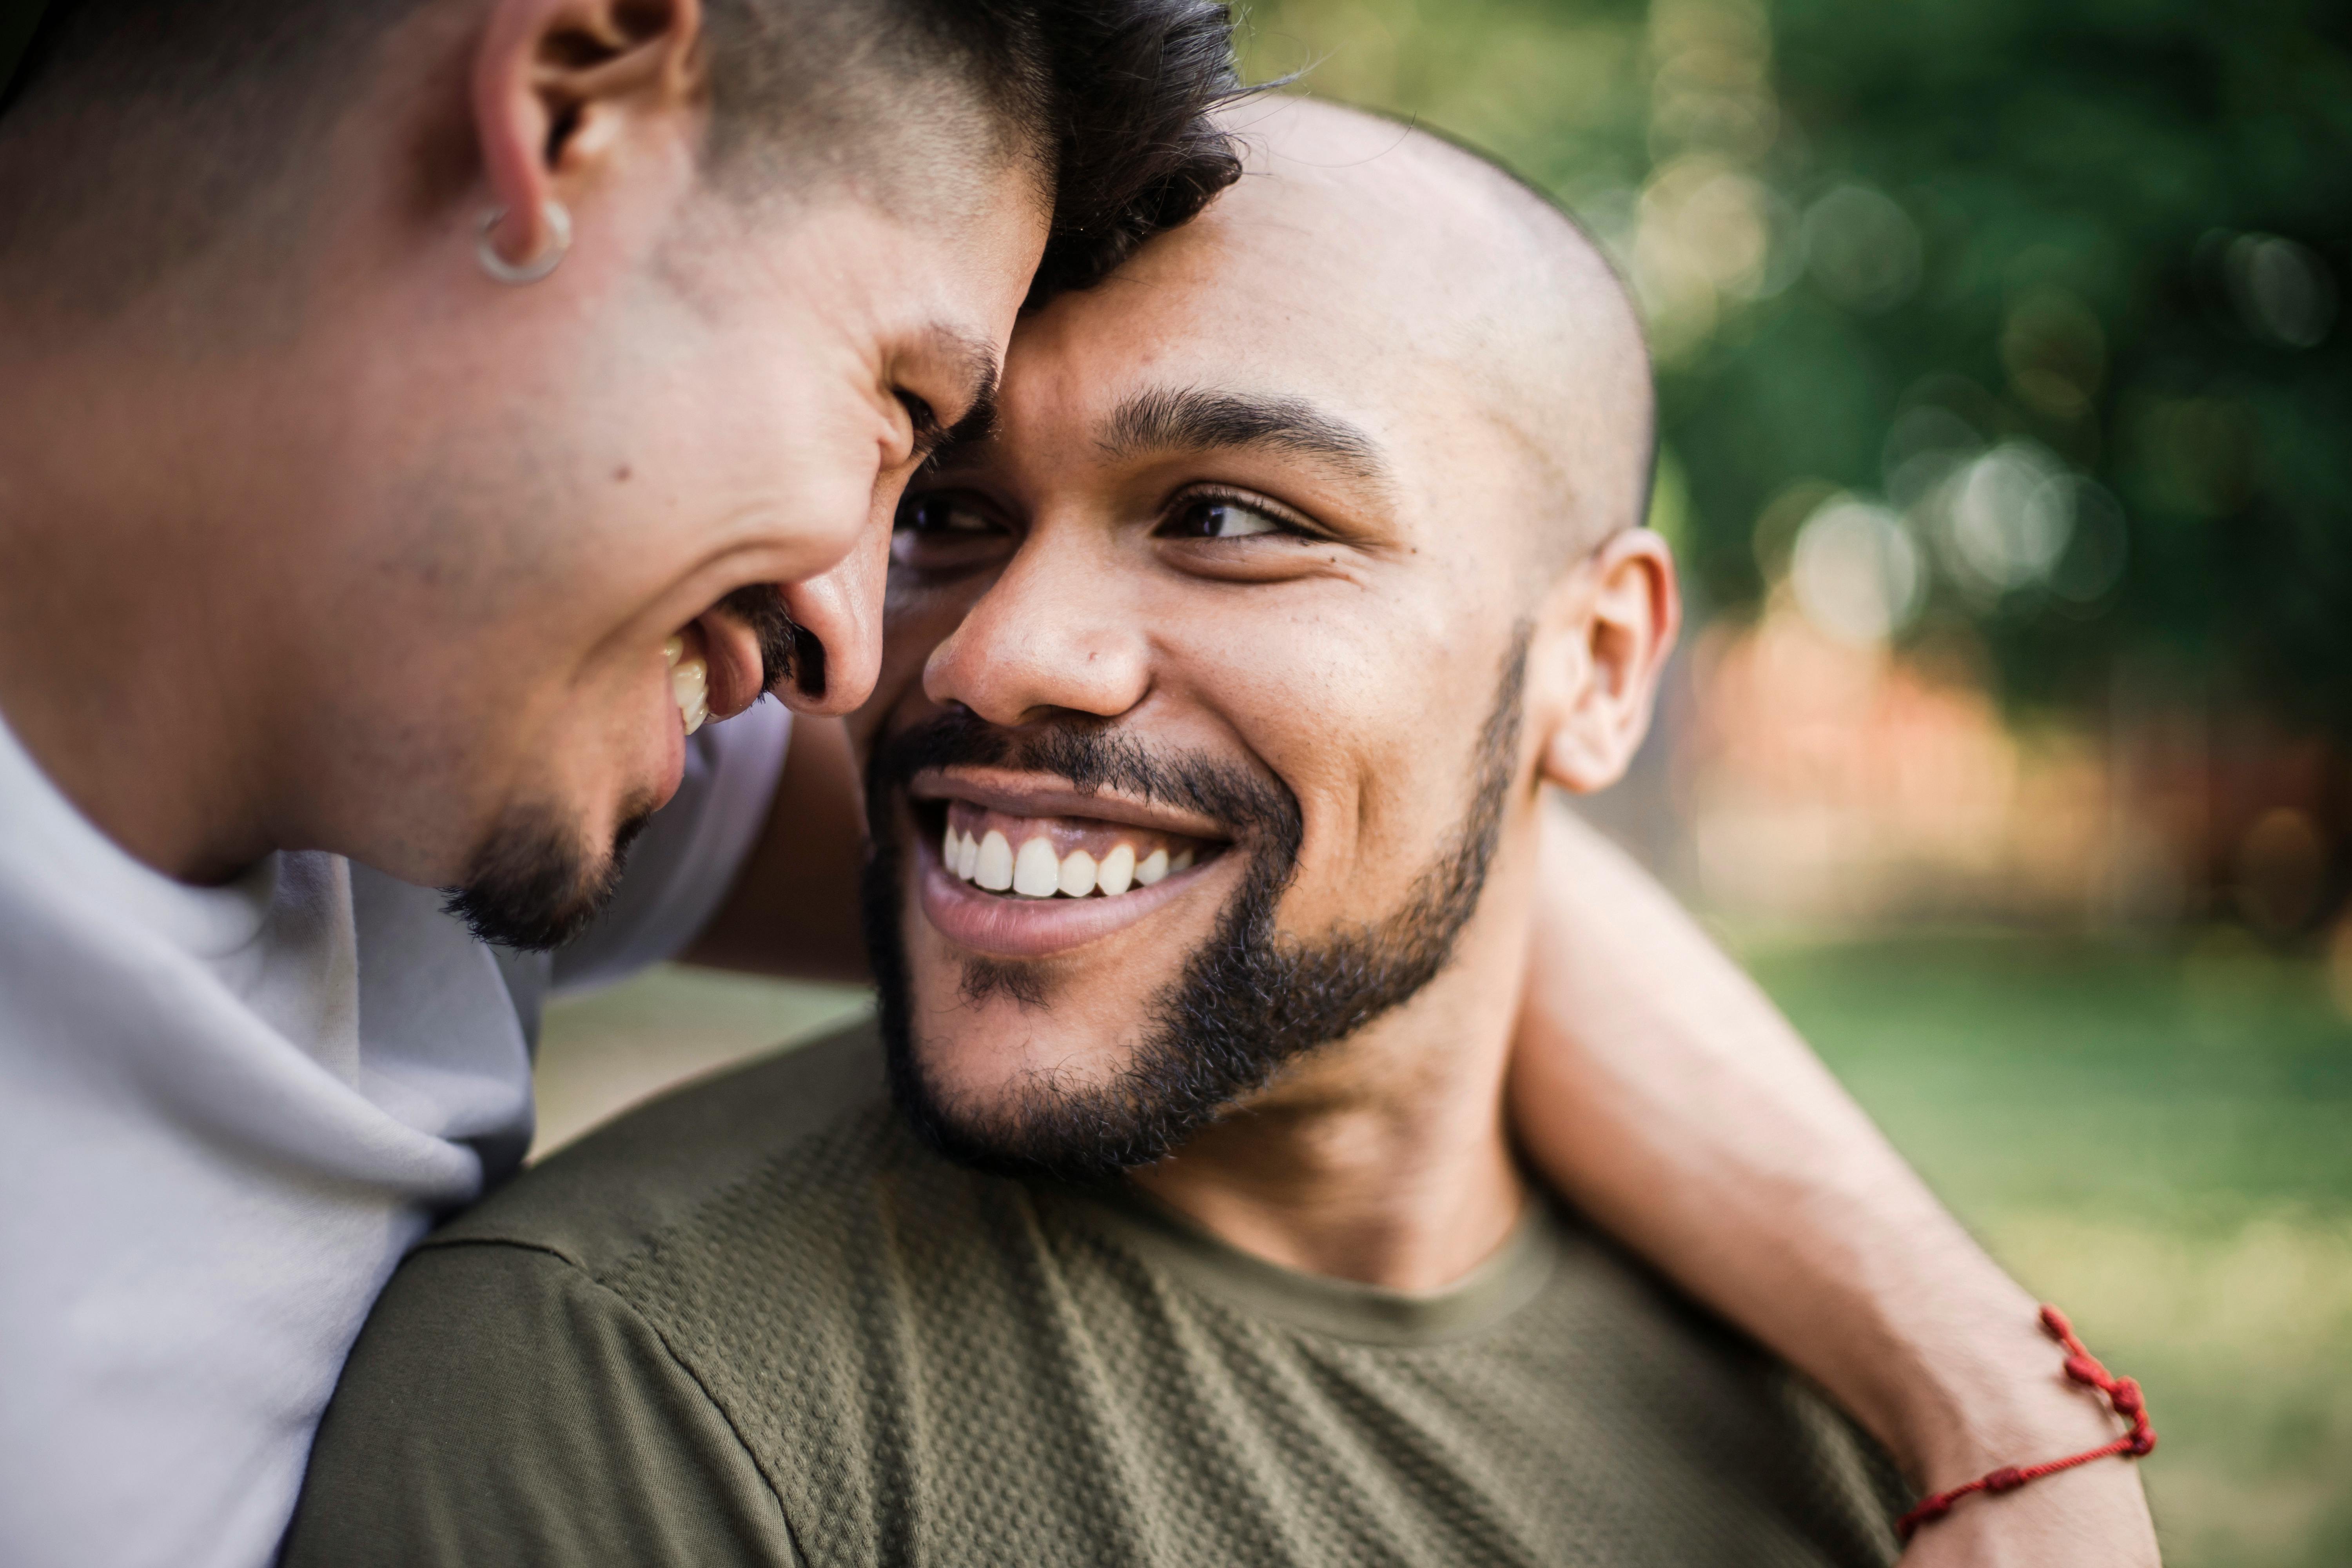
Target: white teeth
(689, 686)
(1037, 874)
(673, 650)
(1034, 872)
(994, 871)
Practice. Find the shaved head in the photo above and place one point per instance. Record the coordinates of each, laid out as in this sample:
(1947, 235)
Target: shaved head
(1310, 540)
(1484, 285)
(1409, 262)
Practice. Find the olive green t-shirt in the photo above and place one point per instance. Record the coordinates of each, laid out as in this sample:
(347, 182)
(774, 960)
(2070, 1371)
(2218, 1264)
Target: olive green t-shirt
(759, 1323)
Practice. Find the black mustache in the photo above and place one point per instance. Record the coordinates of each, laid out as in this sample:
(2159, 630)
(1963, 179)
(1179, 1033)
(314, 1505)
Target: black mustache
(787, 648)
(1090, 755)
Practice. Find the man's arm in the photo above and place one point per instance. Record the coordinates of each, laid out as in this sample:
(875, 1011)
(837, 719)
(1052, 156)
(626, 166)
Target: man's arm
(1658, 1089)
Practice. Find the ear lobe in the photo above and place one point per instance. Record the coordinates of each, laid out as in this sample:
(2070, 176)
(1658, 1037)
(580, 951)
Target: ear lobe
(1628, 612)
(553, 82)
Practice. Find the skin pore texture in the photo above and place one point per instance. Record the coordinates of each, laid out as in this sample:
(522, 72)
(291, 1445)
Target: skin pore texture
(1239, 544)
(385, 557)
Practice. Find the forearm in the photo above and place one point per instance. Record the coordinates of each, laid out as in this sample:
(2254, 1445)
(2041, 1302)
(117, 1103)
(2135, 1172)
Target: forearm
(1660, 1090)
(793, 910)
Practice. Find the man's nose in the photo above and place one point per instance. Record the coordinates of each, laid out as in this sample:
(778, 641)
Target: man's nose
(840, 614)
(1059, 630)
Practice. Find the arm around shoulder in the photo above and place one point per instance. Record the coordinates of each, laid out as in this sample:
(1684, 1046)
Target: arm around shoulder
(1656, 1086)
(501, 1406)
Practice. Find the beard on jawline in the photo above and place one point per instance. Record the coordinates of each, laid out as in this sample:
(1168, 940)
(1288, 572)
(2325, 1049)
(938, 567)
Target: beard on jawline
(1248, 1001)
(532, 886)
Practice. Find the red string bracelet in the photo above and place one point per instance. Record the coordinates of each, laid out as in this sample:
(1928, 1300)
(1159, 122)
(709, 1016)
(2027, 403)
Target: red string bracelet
(2121, 1393)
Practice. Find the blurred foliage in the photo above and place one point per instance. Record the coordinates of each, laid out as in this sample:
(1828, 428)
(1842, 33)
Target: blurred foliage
(2050, 287)
(2152, 1136)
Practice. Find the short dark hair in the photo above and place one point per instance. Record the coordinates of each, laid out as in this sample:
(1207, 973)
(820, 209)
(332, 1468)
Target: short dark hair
(1113, 100)
(1140, 151)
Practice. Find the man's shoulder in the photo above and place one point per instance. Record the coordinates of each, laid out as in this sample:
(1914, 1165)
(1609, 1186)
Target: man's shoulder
(655, 1169)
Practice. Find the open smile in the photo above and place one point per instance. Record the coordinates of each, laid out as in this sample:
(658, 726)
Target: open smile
(715, 669)
(1016, 872)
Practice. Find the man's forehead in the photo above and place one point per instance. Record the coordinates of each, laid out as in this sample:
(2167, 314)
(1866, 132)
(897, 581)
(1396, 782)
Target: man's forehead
(1351, 247)
(1100, 394)
(1248, 321)
(1225, 290)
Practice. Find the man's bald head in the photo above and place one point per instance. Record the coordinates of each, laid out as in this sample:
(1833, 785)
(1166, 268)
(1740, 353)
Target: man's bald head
(1309, 534)
(1480, 274)
(1399, 304)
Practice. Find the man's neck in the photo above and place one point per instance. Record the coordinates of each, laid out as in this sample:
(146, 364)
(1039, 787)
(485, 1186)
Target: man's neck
(123, 672)
(1383, 1159)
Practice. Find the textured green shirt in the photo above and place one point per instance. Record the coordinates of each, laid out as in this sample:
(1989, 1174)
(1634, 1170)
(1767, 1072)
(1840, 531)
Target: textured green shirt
(758, 1322)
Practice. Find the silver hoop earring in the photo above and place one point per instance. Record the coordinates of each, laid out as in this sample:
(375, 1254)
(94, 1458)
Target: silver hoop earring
(559, 241)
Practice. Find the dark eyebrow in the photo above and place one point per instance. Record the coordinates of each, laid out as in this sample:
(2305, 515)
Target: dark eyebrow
(1192, 419)
(974, 358)
(954, 446)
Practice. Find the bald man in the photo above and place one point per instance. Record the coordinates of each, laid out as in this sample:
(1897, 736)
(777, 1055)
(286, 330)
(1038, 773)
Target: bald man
(1167, 1213)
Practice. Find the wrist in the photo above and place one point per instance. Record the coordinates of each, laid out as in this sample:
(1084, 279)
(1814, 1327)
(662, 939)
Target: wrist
(2007, 1401)
(2112, 1507)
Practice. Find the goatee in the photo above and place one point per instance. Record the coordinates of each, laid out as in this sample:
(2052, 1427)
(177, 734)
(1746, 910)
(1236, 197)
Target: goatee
(1249, 1001)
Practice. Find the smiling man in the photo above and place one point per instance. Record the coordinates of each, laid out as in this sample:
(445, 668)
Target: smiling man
(1169, 1215)
(417, 418)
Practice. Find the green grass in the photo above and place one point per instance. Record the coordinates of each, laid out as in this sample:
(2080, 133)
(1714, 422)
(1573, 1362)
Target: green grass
(2161, 1141)
(2158, 1140)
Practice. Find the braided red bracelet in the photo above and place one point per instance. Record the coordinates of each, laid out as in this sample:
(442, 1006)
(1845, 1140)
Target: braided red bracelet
(2121, 1393)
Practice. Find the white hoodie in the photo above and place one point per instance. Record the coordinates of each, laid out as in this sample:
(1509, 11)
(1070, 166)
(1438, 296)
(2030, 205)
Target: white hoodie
(225, 1114)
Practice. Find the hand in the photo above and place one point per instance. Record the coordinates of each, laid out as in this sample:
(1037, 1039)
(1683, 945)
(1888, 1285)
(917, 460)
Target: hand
(2095, 1517)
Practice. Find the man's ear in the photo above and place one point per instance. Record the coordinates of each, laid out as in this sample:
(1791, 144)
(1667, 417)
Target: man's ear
(1601, 644)
(555, 81)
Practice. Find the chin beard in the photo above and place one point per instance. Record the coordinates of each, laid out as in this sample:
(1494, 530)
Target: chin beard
(533, 886)
(1250, 1001)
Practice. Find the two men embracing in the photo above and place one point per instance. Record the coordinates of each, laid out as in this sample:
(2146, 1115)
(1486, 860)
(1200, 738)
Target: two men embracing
(1169, 1212)
(421, 415)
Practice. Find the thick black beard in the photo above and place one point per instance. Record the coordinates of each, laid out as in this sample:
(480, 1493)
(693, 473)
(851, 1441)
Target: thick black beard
(1250, 1002)
(532, 886)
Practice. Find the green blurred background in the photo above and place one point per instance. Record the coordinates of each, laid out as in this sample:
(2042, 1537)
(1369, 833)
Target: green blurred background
(2008, 451)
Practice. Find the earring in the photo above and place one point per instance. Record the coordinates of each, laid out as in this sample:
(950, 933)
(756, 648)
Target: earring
(559, 240)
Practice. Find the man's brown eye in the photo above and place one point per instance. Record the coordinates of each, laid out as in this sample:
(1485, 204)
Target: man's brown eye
(1215, 517)
(942, 514)
(942, 530)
